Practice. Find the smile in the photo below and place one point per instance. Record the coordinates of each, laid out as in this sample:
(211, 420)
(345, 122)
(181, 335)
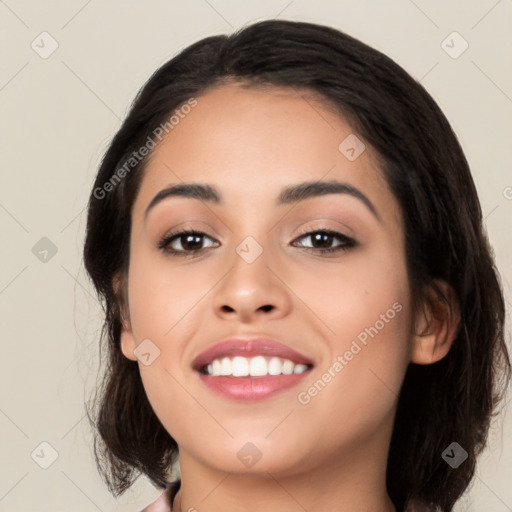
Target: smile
(258, 366)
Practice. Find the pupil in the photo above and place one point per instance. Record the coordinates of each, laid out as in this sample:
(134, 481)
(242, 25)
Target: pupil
(187, 241)
(326, 237)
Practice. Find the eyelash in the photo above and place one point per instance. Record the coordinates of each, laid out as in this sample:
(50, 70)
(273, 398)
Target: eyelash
(165, 242)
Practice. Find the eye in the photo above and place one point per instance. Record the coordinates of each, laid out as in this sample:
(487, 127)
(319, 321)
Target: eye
(325, 237)
(189, 240)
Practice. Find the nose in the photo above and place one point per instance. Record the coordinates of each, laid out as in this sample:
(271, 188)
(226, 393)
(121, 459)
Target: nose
(251, 291)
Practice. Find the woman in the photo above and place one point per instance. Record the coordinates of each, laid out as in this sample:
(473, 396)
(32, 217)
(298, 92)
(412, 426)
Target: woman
(299, 292)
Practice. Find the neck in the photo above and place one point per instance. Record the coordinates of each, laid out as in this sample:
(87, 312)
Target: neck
(386, 506)
(343, 481)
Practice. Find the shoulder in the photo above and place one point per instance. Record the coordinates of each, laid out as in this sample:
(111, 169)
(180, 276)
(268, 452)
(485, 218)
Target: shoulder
(164, 501)
(161, 504)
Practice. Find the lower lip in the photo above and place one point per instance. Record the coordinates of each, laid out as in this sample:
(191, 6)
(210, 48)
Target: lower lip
(252, 388)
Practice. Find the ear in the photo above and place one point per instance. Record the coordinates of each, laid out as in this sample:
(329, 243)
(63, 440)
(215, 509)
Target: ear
(436, 324)
(127, 339)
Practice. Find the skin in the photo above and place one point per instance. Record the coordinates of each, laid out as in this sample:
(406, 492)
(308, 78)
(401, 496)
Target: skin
(329, 454)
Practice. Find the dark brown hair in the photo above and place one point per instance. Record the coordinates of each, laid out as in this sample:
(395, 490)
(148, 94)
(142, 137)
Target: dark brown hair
(421, 159)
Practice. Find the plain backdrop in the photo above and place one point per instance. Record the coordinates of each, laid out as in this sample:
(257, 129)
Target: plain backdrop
(69, 71)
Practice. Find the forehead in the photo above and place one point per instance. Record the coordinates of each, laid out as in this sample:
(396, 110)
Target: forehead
(252, 142)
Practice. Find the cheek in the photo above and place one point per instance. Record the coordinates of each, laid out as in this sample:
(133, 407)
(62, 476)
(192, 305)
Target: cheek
(162, 305)
(365, 310)
(352, 294)
(162, 296)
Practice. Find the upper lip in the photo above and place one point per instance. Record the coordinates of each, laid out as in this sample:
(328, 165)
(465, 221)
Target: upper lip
(249, 347)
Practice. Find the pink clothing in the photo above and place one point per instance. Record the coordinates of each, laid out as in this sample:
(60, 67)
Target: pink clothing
(161, 504)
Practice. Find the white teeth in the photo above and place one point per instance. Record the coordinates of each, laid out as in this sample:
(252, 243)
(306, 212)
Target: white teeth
(300, 368)
(257, 366)
(216, 367)
(288, 367)
(275, 366)
(225, 367)
(240, 367)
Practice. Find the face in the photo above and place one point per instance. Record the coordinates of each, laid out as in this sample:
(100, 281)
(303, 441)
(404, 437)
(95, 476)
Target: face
(256, 268)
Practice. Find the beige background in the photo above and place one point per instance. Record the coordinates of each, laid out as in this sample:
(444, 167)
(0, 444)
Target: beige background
(57, 117)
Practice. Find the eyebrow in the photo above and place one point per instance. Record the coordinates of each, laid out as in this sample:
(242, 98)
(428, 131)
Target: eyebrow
(288, 195)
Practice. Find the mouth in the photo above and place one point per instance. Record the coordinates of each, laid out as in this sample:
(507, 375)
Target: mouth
(251, 369)
(255, 367)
